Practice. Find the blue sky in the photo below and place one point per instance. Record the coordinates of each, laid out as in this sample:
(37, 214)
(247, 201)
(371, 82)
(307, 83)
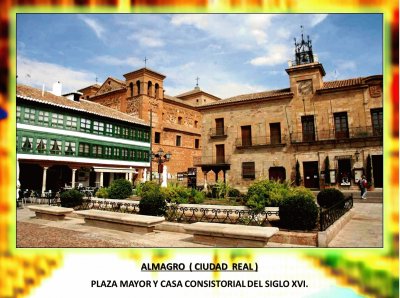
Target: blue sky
(232, 54)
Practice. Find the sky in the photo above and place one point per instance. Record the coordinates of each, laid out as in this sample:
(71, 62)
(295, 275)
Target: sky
(231, 54)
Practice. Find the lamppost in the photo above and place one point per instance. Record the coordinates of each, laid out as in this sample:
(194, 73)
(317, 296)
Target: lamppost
(160, 158)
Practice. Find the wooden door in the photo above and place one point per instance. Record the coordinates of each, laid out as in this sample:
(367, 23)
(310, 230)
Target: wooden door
(275, 129)
(246, 135)
(219, 126)
(220, 153)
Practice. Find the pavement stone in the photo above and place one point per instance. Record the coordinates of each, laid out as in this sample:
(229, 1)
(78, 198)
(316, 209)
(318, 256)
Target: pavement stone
(365, 229)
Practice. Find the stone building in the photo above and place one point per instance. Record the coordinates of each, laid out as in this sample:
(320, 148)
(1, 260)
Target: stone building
(64, 141)
(265, 134)
(176, 121)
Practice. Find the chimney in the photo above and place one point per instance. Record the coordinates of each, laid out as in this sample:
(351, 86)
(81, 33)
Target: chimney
(57, 87)
(74, 96)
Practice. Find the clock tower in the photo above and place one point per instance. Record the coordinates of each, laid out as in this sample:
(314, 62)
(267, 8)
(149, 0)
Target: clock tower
(305, 72)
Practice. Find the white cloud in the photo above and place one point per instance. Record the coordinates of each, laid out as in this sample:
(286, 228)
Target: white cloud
(276, 54)
(114, 61)
(317, 18)
(94, 25)
(36, 73)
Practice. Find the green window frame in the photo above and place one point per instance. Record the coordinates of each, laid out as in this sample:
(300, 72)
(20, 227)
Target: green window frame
(85, 124)
(43, 118)
(97, 151)
(70, 148)
(109, 129)
(116, 153)
(29, 115)
(71, 122)
(55, 147)
(41, 145)
(132, 154)
(124, 153)
(117, 130)
(84, 149)
(98, 127)
(108, 151)
(57, 120)
(27, 144)
(19, 110)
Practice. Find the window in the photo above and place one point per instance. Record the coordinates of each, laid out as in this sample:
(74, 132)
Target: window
(196, 123)
(109, 128)
(219, 127)
(84, 149)
(146, 135)
(27, 144)
(69, 148)
(308, 128)
(98, 127)
(341, 126)
(157, 89)
(149, 86)
(138, 87)
(377, 121)
(220, 153)
(179, 120)
(131, 89)
(57, 120)
(125, 132)
(139, 155)
(41, 145)
(275, 131)
(29, 115)
(246, 135)
(124, 153)
(132, 154)
(108, 152)
(85, 125)
(55, 147)
(196, 143)
(248, 170)
(116, 153)
(178, 141)
(18, 113)
(71, 122)
(97, 151)
(157, 137)
(139, 135)
(146, 155)
(43, 118)
(117, 130)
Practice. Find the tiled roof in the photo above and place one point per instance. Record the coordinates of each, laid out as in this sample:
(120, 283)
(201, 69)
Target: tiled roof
(251, 96)
(178, 100)
(194, 91)
(121, 82)
(35, 95)
(342, 83)
(97, 86)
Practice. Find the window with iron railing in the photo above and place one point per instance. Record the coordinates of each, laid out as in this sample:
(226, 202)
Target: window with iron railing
(308, 128)
(377, 121)
(341, 125)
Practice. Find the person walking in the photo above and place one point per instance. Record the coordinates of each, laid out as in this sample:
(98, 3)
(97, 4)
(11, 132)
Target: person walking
(363, 187)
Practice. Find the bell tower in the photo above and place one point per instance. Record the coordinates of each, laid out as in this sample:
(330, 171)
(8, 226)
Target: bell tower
(305, 72)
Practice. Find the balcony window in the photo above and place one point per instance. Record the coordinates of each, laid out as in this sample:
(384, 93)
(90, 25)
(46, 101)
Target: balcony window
(341, 125)
(70, 148)
(41, 145)
(220, 153)
(377, 121)
(18, 113)
(43, 118)
(219, 126)
(29, 115)
(116, 153)
(84, 149)
(308, 128)
(246, 135)
(85, 125)
(248, 170)
(108, 152)
(97, 151)
(27, 144)
(71, 123)
(108, 130)
(98, 127)
(57, 120)
(275, 131)
(55, 147)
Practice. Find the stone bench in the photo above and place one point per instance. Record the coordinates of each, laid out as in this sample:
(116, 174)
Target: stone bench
(227, 235)
(127, 222)
(50, 212)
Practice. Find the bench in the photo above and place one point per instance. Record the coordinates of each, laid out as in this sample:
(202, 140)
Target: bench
(50, 212)
(227, 235)
(127, 222)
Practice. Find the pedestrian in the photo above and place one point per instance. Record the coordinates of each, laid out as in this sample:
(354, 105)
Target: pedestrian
(363, 187)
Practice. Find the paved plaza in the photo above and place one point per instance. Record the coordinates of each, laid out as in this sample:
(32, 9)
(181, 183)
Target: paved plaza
(365, 229)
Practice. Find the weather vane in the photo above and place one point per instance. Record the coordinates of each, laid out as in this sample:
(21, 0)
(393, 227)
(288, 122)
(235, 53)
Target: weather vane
(145, 60)
(197, 81)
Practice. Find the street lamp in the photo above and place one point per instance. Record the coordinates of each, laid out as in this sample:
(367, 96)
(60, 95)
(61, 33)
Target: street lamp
(160, 158)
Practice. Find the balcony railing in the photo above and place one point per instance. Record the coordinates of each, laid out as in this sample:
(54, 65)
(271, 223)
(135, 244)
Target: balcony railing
(219, 132)
(260, 141)
(211, 160)
(332, 134)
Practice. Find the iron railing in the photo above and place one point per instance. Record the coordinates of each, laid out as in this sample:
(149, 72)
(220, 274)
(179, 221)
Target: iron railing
(332, 134)
(328, 216)
(211, 160)
(186, 214)
(260, 141)
(218, 132)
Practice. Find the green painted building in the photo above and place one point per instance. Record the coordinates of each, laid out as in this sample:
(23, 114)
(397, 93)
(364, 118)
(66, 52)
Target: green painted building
(65, 141)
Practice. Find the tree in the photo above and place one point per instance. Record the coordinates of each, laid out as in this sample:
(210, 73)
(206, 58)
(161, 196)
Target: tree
(327, 171)
(298, 177)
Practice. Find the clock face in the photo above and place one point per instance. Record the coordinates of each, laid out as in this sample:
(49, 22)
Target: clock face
(305, 87)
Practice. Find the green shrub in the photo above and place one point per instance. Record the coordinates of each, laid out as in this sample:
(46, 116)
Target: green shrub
(197, 197)
(144, 187)
(328, 197)
(152, 203)
(71, 198)
(298, 211)
(265, 193)
(179, 194)
(102, 193)
(120, 189)
(234, 193)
